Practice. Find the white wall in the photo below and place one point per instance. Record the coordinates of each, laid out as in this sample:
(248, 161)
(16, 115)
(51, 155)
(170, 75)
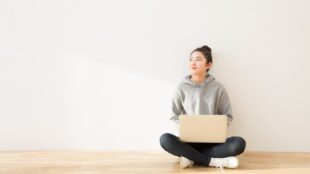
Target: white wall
(100, 74)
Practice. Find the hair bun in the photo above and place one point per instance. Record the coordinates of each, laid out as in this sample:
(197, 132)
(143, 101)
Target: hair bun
(206, 47)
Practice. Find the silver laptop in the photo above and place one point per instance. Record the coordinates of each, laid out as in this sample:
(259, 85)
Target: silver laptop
(203, 128)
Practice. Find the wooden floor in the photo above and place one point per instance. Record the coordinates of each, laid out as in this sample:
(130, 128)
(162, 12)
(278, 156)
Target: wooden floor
(82, 162)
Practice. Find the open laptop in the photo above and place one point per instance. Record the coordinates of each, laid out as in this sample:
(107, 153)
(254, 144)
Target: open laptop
(203, 128)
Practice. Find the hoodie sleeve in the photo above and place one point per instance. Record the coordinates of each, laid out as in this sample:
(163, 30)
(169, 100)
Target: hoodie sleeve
(177, 107)
(225, 106)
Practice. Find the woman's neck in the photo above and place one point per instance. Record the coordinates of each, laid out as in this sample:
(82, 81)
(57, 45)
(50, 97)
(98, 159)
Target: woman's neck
(198, 78)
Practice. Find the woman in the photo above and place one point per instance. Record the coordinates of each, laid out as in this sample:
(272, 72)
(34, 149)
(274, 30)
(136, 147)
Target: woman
(199, 93)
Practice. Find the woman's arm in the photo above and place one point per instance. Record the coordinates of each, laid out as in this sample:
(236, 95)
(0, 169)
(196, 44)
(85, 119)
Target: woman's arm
(177, 107)
(225, 106)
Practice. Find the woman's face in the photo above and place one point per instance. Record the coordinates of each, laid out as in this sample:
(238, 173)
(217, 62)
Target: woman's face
(197, 63)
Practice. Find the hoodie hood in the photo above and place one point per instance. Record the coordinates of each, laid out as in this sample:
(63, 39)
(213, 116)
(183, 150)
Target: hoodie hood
(187, 80)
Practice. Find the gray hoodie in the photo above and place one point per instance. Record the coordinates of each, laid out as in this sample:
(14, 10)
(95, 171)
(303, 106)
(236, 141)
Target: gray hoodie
(208, 97)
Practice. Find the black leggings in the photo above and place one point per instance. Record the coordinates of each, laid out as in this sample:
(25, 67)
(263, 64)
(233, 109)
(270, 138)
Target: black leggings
(201, 153)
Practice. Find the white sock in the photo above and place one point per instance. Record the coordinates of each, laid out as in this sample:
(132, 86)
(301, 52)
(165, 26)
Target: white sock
(185, 162)
(229, 162)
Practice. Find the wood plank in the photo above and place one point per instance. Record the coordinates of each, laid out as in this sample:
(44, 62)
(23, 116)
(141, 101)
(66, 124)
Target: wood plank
(82, 162)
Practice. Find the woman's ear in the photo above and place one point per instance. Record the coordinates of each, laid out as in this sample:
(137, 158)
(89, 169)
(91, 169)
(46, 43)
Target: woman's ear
(208, 65)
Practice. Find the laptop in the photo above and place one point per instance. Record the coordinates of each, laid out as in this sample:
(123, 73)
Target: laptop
(203, 128)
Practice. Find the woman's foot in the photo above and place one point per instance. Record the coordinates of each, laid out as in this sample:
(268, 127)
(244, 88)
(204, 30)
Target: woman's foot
(184, 162)
(228, 162)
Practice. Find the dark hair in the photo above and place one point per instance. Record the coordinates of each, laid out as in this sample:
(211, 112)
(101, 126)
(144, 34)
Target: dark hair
(206, 51)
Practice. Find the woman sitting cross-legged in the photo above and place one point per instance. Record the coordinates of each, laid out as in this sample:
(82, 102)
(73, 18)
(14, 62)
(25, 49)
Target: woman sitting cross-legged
(197, 94)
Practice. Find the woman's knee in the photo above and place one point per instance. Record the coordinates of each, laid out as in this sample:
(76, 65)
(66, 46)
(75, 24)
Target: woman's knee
(167, 140)
(237, 145)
